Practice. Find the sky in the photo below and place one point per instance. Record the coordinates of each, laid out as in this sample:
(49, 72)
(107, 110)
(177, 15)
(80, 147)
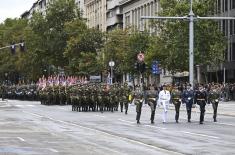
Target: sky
(14, 8)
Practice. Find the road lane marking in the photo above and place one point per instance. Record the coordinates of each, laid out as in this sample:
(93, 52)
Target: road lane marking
(100, 116)
(155, 127)
(7, 105)
(21, 139)
(105, 148)
(62, 108)
(225, 124)
(31, 105)
(126, 121)
(115, 136)
(202, 135)
(53, 150)
(40, 116)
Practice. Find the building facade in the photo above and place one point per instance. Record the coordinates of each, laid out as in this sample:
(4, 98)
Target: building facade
(133, 10)
(41, 7)
(114, 15)
(95, 13)
(226, 8)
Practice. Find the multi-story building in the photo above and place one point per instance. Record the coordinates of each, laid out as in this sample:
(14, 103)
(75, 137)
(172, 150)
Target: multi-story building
(226, 8)
(41, 7)
(95, 13)
(114, 15)
(133, 10)
(81, 6)
(38, 6)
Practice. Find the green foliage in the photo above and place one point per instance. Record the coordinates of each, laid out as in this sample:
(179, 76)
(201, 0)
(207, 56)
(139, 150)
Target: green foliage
(172, 44)
(45, 38)
(117, 49)
(62, 39)
(82, 43)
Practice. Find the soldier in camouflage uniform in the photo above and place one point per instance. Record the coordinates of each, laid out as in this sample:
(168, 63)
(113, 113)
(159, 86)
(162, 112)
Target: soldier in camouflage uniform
(138, 101)
(3, 91)
(176, 96)
(152, 102)
(214, 95)
(62, 95)
(122, 97)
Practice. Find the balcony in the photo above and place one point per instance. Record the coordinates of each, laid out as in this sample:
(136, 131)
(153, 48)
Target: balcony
(113, 20)
(112, 4)
(124, 1)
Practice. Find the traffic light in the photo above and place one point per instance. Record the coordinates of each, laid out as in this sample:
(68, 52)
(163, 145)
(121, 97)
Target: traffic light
(13, 48)
(22, 47)
(142, 67)
(136, 65)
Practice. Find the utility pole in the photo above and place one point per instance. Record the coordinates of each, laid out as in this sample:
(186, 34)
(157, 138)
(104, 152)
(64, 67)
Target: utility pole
(191, 18)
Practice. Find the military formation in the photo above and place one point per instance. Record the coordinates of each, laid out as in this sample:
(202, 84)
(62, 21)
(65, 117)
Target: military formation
(19, 92)
(178, 95)
(85, 96)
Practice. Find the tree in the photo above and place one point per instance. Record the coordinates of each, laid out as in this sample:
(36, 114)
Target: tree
(83, 43)
(117, 49)
(172, 45)
(51, 29)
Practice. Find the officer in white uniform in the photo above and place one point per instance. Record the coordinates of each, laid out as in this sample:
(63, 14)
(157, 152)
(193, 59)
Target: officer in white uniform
(164, 99)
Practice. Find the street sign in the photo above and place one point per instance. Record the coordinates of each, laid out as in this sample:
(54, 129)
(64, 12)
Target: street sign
(111, 63)
(140, 57)
(156, 68)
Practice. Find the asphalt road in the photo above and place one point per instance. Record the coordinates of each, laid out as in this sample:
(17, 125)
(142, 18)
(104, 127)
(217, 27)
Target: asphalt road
(28, 128)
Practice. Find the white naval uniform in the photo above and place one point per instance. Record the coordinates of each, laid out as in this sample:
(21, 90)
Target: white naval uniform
(164, 99)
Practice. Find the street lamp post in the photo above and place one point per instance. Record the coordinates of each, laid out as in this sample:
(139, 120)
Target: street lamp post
(191, 18)
(111, 65)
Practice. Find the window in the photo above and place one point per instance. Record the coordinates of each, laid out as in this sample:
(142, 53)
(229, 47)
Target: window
(110, 14)
(127, 21)
(231, 27)
(219, 6)
(223, 27)
(233, 5)
(226, 54)
(233, 52)
(222, 5)
(40, 4)
(226, 5)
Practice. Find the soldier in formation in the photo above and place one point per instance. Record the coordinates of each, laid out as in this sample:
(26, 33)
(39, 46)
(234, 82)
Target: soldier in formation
(213, 98)
(87, 97)
(138, 101)
(188, 99)
(152, 97)
(176, 96)
(19, 92)
(201, 100)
